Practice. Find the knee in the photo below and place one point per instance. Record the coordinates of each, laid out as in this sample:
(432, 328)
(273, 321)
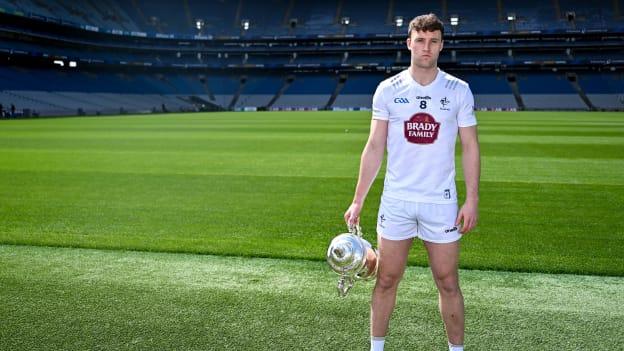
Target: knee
(387, 282)
(448, 286)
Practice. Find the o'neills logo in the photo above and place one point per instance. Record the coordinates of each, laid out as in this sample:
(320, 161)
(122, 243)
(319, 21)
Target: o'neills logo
(422, 128)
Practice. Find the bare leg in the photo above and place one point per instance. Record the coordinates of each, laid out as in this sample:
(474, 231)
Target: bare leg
(392, 261)
(443, 259)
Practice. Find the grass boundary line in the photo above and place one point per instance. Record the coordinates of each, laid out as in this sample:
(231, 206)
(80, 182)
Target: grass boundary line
(481, 268)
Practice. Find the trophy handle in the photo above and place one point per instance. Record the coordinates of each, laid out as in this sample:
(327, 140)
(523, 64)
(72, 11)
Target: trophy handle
(355, 229)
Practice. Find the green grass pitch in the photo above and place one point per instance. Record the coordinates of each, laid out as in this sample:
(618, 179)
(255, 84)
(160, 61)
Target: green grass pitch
(76, 299)
(275, 185)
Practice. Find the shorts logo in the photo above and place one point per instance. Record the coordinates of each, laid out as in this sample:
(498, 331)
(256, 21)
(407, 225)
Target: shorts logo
(450, 230)
(401, 100)
(382, 218)
(422, 128)
(447, 194)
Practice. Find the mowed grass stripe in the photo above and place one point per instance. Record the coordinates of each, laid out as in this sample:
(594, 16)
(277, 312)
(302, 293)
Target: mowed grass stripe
(297, 127)
(343, 146)
(568, 151)
(92, 299)
(523, 227)
(338, 145)
(344, 132)
(290, 163)
(550, 170)
(552, 117)
(550, 139)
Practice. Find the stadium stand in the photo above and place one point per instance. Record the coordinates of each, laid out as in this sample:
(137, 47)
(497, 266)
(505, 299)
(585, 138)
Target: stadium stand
(542, 91)
(605, 90)
(491, 90)
(154, 56)
(274, 17)
(356, 91)
(259, 90)
(307, 90)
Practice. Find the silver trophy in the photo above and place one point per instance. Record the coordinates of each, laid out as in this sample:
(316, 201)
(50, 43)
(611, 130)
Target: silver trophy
(353, 258)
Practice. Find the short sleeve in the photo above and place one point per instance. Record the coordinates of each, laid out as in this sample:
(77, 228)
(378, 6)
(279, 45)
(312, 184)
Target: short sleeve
(466, 116)
(380, 106)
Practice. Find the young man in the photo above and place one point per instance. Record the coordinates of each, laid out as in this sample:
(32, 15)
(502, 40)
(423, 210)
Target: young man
(417, 115)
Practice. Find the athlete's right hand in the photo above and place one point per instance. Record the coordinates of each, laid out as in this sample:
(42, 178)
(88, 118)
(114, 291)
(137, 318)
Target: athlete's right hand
(352, 216)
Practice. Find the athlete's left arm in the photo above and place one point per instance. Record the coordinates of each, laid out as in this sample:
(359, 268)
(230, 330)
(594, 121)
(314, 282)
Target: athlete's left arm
(471, 162)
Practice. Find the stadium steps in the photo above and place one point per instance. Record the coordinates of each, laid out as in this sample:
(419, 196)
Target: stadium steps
(140, 13)
(241, 86)
(513, 84)
(123, 20)
(390, 13)
(100, 12)
(237, 15)
(204, 82)
(287, 82)
(573, 79)
(342, 79)
(288, 12)
(339, 7)
(187, 12)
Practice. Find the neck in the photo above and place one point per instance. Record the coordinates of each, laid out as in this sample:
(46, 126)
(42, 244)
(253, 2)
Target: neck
(423, 76)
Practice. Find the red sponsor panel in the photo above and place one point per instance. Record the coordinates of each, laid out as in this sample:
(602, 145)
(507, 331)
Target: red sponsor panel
(422, 128)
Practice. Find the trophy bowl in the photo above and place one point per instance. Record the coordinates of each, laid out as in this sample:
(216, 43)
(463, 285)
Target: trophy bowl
(353, 258)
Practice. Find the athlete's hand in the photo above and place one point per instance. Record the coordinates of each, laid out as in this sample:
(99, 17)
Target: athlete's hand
(352, 216)
(467, 216)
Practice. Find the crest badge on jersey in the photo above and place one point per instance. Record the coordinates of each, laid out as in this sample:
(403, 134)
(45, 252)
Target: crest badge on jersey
(422, 128)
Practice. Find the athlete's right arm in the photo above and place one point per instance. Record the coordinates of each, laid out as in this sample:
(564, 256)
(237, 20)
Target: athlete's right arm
(370, 162)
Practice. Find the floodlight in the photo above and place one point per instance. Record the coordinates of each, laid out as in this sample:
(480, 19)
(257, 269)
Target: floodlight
(398, 21)
(511, 16)
(245, 24)
(454, 20)
(345, 21)
(199, 24)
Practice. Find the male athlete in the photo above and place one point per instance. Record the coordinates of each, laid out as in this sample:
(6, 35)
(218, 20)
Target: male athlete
(417, 115)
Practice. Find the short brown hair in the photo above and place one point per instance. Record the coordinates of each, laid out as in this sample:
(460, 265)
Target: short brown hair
(425, 23)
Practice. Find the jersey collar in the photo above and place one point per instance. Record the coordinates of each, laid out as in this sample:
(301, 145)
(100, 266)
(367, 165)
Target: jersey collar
(439, 75)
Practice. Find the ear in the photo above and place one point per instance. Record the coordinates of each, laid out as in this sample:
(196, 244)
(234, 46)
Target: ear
(442, 45)
(408, 42)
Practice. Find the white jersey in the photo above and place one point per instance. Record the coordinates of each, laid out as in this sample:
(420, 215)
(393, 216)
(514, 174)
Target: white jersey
(423, 124)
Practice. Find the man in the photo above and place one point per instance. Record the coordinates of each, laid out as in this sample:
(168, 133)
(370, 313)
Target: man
(417, 115)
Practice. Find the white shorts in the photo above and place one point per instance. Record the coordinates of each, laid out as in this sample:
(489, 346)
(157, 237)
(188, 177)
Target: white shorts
(400, 220)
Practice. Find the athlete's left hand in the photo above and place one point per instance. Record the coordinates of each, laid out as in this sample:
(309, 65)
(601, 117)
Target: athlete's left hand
(467, 216)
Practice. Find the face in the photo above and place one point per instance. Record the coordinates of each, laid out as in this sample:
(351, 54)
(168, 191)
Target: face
(425, 48)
